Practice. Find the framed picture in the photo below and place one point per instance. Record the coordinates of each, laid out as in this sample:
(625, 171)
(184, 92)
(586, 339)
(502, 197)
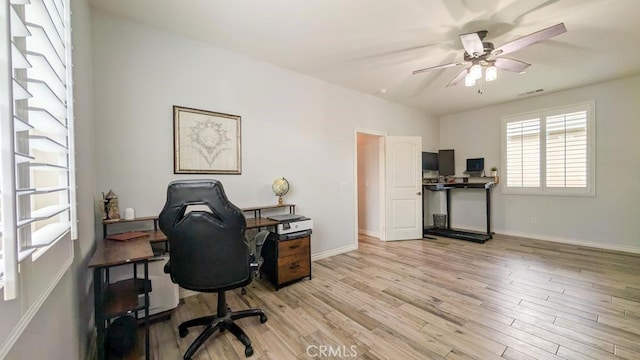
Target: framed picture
(206, 142)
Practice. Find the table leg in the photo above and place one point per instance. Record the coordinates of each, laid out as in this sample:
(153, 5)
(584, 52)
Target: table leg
(448, 209)
(98, 298)
(146, 302)
(488, 203)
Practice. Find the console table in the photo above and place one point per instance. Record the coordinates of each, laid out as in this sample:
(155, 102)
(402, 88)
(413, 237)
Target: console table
(457, 233)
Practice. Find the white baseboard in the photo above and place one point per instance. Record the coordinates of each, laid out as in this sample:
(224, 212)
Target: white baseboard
(369, 233)
(623, 248)
(333, 252)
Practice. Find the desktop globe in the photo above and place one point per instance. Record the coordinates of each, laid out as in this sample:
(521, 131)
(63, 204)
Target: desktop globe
(280, 187)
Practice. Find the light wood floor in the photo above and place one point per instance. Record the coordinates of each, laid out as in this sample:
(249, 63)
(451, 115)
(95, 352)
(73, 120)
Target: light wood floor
(423, 299)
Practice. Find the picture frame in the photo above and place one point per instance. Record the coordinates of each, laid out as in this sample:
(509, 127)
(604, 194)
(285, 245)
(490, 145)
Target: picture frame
(206, 142)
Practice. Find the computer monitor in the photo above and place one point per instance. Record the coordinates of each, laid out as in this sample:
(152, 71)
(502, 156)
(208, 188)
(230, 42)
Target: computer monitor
(446, 163)
(429, 161)
(475, 165)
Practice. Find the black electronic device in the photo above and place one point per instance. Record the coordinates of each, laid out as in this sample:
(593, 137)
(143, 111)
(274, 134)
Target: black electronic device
(446, 163)
(429, 161)
(475, 166)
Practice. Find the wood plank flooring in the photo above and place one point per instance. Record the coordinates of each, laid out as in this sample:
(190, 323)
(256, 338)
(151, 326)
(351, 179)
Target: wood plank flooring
(509, 298)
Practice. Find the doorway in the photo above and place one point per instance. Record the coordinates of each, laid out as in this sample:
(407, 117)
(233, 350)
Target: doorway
(369, 173)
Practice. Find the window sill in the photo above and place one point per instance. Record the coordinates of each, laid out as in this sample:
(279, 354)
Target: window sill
(547, 192)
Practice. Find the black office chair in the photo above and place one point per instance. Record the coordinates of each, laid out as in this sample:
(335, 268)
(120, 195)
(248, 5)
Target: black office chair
(207, 253)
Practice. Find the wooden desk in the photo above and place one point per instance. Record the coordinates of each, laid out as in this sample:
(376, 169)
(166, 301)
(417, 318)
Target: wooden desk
(257, 221)
(120, 298)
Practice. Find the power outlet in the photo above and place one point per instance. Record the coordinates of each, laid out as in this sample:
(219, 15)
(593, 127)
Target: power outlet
(534, 220)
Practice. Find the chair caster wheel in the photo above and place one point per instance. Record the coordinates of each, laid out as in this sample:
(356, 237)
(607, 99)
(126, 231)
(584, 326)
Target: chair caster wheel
(263, 319)
(183, 332)
(248, 351)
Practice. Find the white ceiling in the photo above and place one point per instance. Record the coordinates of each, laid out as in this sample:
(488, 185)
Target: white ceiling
(368, 45)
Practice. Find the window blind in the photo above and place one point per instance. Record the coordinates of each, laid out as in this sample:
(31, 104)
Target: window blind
(523, 153)
(566, 150)
(41, 190)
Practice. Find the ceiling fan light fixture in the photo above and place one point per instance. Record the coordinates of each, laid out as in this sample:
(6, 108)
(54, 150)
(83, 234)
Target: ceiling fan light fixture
(469, 79)
(491, 73)
(475, 71)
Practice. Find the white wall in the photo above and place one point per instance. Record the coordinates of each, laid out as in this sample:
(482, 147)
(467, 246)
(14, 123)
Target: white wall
(292, 125)
(62, 326)
(369, 184)
(609, 220)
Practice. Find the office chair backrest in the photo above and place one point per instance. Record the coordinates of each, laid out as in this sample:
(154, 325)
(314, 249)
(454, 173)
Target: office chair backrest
(206, 236)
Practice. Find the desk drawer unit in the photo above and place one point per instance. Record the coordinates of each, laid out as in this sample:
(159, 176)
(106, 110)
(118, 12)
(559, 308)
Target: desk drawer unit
(286, 261)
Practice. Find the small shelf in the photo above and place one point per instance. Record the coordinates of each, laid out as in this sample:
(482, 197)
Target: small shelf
(155, 234)
(257, 221)
(254, 208)
(118, 221)
(253, 223)
(122, 297)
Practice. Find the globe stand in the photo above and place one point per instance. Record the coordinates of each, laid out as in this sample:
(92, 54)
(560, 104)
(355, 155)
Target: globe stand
(280, 187)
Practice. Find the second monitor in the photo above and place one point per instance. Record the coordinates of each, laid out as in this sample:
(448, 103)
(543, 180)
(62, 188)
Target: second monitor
(446, 163)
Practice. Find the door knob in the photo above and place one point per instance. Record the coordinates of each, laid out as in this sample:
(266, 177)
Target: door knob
(418, 193)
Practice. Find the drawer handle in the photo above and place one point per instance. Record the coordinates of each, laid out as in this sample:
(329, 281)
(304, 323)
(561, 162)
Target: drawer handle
(294, 246)
(294, 266)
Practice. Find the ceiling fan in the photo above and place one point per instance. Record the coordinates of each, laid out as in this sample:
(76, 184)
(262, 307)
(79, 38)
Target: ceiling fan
(479, 54)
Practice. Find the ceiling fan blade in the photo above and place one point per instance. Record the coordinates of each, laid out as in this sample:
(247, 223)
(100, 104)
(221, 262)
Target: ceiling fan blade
(511, 64)
(472, 44)
(444, 66)
(530, 39)
(458, 78)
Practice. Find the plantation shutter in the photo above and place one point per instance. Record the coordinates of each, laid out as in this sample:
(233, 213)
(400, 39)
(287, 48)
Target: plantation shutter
(522, 152)
(567, 150)
(42, 155)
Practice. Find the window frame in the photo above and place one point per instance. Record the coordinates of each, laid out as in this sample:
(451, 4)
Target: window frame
(542, 115)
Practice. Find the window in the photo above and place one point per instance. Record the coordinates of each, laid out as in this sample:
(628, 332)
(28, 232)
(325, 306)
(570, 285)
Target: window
(550, 152)
(38, 179)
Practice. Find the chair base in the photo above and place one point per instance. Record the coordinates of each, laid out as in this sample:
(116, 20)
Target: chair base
(223, 320)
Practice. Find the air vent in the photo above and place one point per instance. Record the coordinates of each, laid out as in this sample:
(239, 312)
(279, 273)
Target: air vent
(531, 92)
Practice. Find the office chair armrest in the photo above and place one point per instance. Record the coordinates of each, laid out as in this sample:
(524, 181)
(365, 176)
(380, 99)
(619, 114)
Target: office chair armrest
(255, 265)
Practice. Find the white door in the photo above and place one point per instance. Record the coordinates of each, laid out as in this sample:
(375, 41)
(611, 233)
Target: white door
(403, 187)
